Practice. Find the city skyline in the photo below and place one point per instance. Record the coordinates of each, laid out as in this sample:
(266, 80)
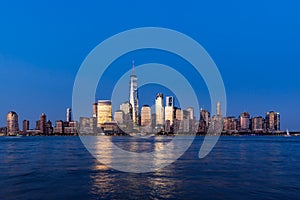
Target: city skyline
(131, 117)
(255, 46)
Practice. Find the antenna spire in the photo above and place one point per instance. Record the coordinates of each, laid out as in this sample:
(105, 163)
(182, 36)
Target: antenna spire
(132, 67)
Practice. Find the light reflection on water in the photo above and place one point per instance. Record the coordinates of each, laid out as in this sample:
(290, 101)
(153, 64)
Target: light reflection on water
(237, 168)
(140, 155)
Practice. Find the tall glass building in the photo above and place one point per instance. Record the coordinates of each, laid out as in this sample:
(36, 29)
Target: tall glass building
(169, 109)
(159, 109)
(133, 96)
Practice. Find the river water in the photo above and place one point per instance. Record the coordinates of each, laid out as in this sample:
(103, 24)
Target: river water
(250, 167)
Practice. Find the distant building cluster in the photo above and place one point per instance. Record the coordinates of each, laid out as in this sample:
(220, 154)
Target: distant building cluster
(130, 119)
(42, 126)
(245, 124)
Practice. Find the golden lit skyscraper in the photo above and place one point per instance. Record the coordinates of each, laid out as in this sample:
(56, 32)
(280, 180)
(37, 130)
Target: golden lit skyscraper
(104, 112)
(146, 116)
(159, 109)
(12, 123)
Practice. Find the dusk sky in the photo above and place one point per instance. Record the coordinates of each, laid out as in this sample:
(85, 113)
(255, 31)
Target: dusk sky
(255, 45)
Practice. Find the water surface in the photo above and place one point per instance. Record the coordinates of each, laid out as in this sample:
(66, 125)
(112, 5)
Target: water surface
(238, 167)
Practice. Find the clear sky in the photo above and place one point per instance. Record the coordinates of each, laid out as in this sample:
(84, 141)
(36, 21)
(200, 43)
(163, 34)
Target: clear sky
(255, 44)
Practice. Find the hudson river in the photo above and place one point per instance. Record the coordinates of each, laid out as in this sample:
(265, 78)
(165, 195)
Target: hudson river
(250, 167)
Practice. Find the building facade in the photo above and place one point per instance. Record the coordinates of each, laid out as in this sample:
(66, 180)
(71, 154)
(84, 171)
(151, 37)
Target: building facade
(272, 121)
(119, 116)
(204, 120)
(146, 116)
(244, 121)
(12, 123)
(159, 109)
(230, 124)
(42, 123)
(68, 115)
(25, 126)
(133, 96)
(104, 112)
(169, 109)
(257, 124)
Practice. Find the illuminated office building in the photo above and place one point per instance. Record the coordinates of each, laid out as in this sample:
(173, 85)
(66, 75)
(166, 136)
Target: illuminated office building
(272, 121)
(257, 124)
(229, 124)
(12, 123)
(244, 121)
(159, 110)
(146, 116)
(68, 115)
(104, 112)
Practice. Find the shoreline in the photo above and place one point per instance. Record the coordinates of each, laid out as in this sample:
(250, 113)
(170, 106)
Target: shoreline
(282, 134)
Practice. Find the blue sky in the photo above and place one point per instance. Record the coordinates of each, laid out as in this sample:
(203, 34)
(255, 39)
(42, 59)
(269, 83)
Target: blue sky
(255, 45)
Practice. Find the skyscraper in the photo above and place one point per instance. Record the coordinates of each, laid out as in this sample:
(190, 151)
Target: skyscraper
(204, 120)
(68, 115)
(133, 96)
(159, 109)
(257, 124)
(42, 123)
(179, 114)
(230, 124)
(273, 121)
(12, 123)
(191, 118)
(119, 116)
(191, 111)
(25, 126)
(127, 120)
(127, 109)
(95, 109)
(146, 116)
(219, 113)
(59, 127)
(104, 110)
(186, 122)
(169, 109)
(245, 121)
